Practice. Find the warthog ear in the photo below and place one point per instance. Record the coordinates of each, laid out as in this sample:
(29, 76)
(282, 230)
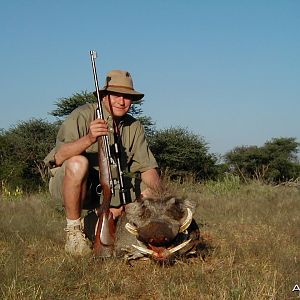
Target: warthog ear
(133, 211)
(183, 203)
(189, 204)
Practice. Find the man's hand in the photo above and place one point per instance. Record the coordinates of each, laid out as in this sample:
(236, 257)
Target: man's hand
(98, 128)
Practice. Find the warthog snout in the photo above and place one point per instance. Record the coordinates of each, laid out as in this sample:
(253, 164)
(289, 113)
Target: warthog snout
(158, 233)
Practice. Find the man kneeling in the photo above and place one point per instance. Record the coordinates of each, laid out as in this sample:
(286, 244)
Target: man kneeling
(73, 162)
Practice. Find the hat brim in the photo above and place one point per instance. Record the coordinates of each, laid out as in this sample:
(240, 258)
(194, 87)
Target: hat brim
(135, 96)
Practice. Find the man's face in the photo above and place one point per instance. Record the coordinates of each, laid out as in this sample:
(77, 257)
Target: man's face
(117, 104)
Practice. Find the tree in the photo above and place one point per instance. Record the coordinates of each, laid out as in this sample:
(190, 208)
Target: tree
(284, 164)
(275, 161)
(22, 150)
(183, 152)
(67, 104)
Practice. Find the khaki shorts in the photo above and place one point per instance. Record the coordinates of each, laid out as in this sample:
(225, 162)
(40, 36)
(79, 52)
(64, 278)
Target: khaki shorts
(93, 199)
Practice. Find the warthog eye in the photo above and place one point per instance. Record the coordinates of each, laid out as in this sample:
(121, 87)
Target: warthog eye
(175, 212)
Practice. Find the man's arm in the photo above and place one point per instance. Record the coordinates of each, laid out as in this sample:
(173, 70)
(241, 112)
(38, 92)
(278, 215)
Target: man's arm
(152, 181)
(97, 128)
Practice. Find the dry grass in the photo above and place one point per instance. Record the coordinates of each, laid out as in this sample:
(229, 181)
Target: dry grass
(254, 231)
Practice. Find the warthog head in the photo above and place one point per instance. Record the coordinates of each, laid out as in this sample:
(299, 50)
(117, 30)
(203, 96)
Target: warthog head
(161, 226)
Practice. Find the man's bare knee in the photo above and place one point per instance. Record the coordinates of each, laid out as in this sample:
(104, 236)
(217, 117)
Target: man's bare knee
(77, 167)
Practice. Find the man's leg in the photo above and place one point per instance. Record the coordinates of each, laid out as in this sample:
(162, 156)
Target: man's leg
(74, 185)
(74, 192)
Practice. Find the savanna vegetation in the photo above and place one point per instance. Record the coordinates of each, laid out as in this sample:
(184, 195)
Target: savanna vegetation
(251, 232)
(179, 152)
(248, 208)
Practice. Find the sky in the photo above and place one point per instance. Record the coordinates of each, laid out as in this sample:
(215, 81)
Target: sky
(228, 71)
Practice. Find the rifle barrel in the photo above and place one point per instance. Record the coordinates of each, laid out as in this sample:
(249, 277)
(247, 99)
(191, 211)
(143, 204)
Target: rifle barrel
(100, 115)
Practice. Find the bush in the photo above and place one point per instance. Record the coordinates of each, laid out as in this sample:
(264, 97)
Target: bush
(22, 150)
(183, 152)
(275, 161)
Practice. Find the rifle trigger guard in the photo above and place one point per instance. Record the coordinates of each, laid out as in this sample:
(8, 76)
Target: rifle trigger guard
(99, 189)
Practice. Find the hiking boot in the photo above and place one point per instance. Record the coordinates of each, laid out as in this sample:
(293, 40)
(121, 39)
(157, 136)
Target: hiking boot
(76, 242)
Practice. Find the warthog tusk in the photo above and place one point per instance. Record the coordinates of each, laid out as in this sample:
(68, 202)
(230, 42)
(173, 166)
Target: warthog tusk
(180, 246)
(143, 250)
(131, 228)
(187, 222)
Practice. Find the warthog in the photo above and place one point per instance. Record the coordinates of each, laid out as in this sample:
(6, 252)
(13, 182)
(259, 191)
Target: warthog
(160, 228)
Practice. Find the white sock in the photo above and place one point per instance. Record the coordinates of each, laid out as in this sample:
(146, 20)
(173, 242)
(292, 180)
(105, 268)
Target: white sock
(72, 223)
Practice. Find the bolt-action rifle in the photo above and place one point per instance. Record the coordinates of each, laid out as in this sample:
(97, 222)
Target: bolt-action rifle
(105, 228)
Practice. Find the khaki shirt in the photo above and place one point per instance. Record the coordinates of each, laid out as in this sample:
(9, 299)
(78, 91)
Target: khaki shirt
(135, 155)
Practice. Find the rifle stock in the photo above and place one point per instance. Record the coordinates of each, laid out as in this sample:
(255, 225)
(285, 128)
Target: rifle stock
(105, 228)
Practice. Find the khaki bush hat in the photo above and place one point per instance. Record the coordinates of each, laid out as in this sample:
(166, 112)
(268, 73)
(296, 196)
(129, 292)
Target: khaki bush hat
(119, 81)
